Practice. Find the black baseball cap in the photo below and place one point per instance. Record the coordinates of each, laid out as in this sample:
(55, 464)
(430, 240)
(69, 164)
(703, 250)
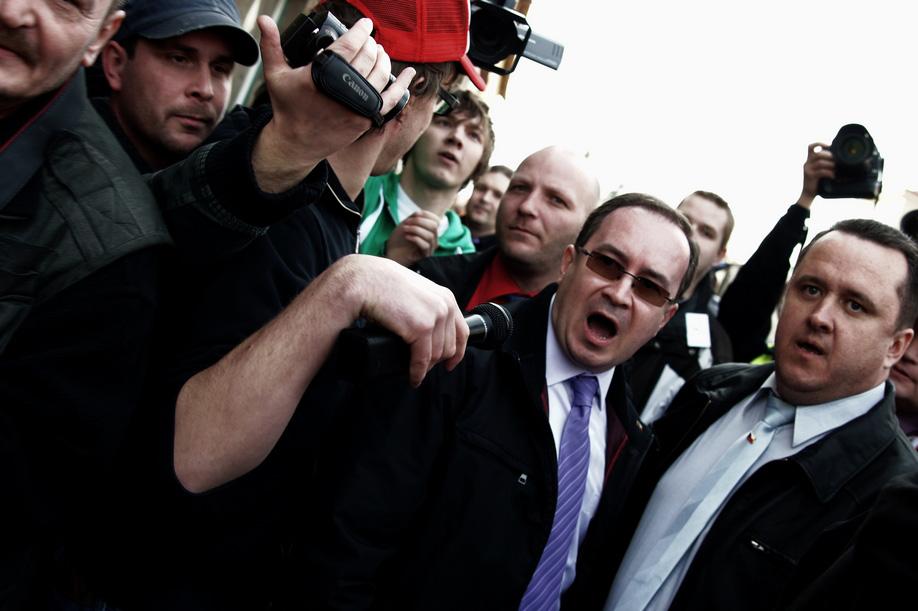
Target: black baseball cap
(158, 19)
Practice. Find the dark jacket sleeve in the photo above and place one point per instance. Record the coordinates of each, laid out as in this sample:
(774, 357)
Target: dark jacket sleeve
(376, 479)
(70, 380)
(211, 200)
(746, 307)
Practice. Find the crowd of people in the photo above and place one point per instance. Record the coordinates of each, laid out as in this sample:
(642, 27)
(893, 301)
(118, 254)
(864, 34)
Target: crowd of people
(180, 430)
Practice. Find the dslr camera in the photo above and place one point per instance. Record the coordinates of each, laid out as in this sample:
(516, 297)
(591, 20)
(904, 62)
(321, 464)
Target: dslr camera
(858, 166)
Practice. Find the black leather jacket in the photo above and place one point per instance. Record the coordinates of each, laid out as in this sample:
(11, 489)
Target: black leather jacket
(790, 520)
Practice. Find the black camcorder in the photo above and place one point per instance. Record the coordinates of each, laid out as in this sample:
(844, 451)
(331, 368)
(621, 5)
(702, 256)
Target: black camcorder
(305, 37)
(497, 32)
(858, 166)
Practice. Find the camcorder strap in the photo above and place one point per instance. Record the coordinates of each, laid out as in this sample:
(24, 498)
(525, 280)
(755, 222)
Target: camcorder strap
(338, 80)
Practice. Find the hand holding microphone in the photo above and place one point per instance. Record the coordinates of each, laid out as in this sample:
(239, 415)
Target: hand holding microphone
(490, 325)
(372, 351)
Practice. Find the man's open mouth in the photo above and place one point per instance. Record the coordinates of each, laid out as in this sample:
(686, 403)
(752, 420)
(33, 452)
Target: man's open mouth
(811, 348)
(602, 326)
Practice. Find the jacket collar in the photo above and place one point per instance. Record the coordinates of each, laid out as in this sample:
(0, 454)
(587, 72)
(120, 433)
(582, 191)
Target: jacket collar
(103, 106)
(527, 344)
(343, 200)
(828, 464)
(831, 463)
(23, 155)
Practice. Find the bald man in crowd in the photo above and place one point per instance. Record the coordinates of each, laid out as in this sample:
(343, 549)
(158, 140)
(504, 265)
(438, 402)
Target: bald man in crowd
(549, 197)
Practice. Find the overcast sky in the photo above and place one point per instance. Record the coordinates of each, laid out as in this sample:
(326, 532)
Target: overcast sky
(668, 97)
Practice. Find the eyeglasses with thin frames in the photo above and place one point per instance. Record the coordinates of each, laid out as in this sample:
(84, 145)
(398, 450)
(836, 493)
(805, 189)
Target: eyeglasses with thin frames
(612, 270)
(448, 101)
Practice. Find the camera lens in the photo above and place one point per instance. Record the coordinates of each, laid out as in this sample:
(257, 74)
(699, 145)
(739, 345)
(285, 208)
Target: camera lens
(853, 151)
(858, 165)
(493, 37)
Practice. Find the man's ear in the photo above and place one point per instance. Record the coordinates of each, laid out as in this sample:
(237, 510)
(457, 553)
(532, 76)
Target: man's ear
(109, 27)
(567, 257)
(898, 346)
(114, 59)
(669, 312)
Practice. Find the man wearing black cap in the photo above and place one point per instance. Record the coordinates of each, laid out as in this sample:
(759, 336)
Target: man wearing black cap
(170, 70)
(81, 244)
(252, 320)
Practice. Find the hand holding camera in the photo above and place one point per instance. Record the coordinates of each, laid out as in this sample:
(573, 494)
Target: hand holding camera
(819, 164)
(851, 167)
(308, 125)
(858, 165)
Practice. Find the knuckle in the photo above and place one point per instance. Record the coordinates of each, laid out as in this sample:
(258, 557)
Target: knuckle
(345, 46)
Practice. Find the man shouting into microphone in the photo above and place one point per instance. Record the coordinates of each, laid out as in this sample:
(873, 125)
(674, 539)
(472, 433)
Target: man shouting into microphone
(482, 487)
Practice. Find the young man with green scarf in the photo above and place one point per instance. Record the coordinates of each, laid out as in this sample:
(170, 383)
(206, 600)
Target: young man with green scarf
(407, 216)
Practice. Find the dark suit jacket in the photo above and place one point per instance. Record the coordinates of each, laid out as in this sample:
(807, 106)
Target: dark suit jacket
(880, 568)
(443, 497)
(788, 522)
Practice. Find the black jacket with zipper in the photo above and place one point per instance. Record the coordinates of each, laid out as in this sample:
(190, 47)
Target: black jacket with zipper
(788, 522)
(443, 497)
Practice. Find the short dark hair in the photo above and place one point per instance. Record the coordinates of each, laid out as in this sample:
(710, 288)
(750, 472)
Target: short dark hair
(115, 6)
(721, 203)
(130, 45)
(888, 237)
(499, 169)
(654, 205)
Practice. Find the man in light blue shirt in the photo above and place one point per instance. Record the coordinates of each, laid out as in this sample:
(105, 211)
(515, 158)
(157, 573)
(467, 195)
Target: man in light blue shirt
(764, 475)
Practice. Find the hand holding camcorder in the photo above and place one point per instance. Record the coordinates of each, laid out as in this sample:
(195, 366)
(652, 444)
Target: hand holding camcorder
(305, 41)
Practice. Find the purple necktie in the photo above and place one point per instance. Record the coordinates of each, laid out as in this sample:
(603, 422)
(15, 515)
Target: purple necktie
(544, 589)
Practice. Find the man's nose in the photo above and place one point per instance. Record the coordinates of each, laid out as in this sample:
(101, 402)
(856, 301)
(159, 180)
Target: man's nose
(202, 86)
(820, 316)
(17, 13)
(620, 292)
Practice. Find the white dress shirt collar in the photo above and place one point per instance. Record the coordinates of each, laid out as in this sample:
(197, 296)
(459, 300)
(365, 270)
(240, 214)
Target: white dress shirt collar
(813, 421)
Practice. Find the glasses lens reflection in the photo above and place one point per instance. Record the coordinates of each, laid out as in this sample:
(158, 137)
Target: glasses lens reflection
(612, 270)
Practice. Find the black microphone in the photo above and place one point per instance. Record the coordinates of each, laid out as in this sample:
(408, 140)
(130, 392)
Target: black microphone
(489, 326)
(372, 351)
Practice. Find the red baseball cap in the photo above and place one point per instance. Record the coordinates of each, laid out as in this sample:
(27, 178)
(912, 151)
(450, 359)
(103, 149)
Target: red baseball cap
(423, 31)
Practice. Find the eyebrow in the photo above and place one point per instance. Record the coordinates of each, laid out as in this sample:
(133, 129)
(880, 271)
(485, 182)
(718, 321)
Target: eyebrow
(455, 118)
(708, 226)
(861, 298)
(647, 273)
(171, 45)
(561, 193)
(807, 279)
(518, 179)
